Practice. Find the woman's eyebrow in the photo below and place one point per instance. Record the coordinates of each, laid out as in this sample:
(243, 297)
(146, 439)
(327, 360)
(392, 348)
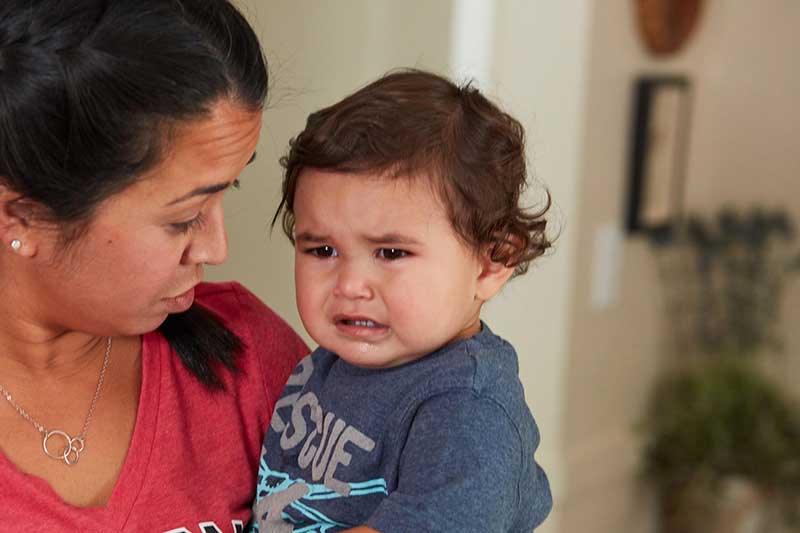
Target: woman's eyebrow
(207, 189)
(200, 191)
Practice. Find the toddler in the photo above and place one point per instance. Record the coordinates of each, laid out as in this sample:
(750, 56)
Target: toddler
(402, 202)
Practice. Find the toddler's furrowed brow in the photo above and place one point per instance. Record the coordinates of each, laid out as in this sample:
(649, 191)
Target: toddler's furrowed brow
(392, 238)
(307, 236)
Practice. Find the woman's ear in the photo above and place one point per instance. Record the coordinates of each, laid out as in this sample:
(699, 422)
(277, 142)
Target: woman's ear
(16, 228)
(492, 277)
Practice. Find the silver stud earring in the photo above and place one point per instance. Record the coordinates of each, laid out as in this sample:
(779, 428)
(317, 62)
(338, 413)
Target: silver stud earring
(16, 244)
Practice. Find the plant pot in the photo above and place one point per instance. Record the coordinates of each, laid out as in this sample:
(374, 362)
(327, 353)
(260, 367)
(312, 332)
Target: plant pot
(736, 505)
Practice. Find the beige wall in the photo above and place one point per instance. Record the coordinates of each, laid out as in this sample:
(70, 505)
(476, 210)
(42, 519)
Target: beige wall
(746, 83)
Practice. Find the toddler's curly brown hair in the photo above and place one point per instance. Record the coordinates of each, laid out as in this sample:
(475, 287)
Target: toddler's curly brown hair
(412, 124)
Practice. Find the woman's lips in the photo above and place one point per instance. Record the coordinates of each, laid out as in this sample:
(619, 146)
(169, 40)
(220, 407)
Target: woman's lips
(180, 303)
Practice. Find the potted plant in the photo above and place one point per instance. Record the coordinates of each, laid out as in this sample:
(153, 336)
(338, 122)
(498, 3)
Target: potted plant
(720, 434)
(722, 441)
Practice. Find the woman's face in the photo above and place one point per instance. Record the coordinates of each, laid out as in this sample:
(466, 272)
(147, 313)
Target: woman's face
(144, 250)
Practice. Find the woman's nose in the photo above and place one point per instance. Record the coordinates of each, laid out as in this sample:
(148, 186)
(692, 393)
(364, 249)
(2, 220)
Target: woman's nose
(209, 244)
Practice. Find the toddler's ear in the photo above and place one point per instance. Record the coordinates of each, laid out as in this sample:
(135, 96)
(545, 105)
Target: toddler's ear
(492, 277)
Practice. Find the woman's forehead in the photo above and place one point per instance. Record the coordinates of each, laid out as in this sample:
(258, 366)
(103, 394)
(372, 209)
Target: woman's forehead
(207, 151)
(226, 132)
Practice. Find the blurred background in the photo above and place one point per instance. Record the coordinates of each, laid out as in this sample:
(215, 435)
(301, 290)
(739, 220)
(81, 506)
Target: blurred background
(640, 115)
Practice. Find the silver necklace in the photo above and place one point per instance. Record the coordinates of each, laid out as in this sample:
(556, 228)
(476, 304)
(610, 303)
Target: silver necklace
(73, 446)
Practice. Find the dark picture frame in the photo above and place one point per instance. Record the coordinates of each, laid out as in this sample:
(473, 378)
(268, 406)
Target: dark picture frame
(658, 150)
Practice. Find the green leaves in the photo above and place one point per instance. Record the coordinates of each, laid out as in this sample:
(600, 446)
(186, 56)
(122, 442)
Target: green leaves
(724, 278)
(722, 419)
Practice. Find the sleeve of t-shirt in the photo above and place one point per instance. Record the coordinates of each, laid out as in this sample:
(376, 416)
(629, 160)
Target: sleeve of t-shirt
(459, 470)
(278, 346)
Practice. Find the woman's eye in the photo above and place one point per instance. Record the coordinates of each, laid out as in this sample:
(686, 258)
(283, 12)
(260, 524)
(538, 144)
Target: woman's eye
(390, 254)
(189, 225)
(323, 251)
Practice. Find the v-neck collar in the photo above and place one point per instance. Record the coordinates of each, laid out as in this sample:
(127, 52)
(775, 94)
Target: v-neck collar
(114, 514)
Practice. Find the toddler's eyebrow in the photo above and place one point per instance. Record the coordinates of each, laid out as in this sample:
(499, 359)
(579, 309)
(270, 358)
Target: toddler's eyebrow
(388, 238)
(391, 238)
(307, 236)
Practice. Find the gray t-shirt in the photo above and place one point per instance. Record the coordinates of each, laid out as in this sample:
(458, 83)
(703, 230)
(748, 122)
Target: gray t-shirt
(445, 443)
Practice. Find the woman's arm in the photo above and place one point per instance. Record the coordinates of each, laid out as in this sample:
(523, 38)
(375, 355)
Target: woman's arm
(361, 529)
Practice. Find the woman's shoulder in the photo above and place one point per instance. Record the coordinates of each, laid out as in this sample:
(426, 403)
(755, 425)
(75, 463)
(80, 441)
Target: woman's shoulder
(238, 307)
(244, 312)
(268, 340)
(222, 296)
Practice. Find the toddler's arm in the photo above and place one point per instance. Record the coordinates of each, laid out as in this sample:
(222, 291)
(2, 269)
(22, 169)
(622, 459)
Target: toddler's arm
(465, 466)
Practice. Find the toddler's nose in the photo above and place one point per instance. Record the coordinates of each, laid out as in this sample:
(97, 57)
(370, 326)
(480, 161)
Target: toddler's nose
(352, 282)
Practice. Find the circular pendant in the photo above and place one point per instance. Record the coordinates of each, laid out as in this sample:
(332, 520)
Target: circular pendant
(69, 452)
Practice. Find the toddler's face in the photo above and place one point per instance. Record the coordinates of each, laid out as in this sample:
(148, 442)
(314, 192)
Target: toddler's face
(381, 277)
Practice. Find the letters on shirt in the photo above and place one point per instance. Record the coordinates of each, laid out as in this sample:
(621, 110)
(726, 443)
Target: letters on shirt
(323, 447)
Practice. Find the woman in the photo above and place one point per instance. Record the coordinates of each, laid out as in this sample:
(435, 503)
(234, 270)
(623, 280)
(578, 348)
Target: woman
(134, 397)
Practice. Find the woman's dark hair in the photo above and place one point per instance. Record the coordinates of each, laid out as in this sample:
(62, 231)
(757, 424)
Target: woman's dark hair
(89, 90)
(413, 124)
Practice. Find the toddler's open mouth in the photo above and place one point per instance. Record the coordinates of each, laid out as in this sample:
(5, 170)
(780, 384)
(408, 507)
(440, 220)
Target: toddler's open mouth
(360, 323)
(361, 327)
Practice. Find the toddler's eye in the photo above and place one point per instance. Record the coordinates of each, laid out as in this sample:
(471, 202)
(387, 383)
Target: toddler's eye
(390, 254)
(323, 251)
